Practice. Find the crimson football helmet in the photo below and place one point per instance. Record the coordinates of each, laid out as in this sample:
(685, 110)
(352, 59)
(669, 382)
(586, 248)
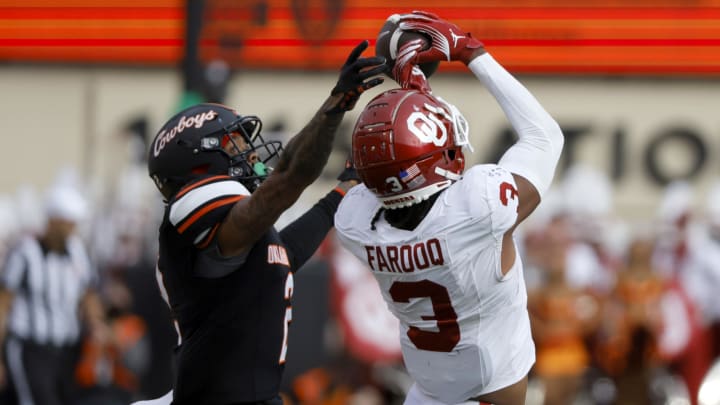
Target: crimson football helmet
(194, 143)
(407, 145)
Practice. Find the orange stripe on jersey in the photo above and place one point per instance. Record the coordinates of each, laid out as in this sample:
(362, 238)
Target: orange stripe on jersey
(209, 207)
(210, 236)
(198, 184)
(340, 191)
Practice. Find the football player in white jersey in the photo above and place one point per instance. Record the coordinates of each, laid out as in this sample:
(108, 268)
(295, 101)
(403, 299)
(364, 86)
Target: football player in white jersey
(440, 239)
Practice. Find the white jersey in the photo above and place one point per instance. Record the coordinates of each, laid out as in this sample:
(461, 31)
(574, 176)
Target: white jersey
(464, 327)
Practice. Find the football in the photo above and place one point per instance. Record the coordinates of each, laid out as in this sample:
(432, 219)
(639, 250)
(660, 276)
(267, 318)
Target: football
(383, 43)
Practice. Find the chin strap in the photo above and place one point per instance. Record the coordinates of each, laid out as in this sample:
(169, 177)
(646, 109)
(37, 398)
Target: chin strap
(414, 197)
(447, 174)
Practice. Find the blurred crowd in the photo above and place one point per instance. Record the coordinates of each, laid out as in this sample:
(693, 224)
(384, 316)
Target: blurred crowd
(623, 311)
(118, 232)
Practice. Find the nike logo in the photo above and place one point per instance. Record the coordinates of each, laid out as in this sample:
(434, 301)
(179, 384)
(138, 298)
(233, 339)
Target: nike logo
(455, 37)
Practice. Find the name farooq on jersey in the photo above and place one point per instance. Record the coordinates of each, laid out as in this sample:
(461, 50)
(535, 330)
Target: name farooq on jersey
(407, 258)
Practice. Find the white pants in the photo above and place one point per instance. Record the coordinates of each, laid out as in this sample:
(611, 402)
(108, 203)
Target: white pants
(416, 397)
(164, 400)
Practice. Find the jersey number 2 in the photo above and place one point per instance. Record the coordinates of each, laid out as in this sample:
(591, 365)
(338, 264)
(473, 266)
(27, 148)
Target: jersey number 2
(289, 287)
(448, 330)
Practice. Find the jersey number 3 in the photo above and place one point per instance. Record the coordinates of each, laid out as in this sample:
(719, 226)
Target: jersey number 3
(448, 330)
(507, 192)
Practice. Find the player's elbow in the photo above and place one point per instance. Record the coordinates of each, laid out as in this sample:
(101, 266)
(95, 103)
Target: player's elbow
(555, 134)
(550, 139)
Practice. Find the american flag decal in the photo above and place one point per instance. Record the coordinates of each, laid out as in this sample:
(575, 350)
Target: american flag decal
(417, 181)
(409, 173)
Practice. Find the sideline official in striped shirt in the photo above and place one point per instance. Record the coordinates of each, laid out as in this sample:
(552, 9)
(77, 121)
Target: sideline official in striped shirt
(46, 293)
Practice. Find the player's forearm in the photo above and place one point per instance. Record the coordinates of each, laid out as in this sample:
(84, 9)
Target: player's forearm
(301, 162)
(540, 143)
(304, 235)
(306, 154)
(523, 111)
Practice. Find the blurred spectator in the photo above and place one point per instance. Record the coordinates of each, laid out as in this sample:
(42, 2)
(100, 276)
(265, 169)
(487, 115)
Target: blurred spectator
(47, 291)
(705, 267)
(678, 256)
(674, 215)
(343, 381)
(29, 210)
(110, 374)
(9, 225)
(627, 348)
(588, 202)
(562, 316)
(123, 246)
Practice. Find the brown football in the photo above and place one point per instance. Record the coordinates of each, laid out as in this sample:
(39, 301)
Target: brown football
(382, 46)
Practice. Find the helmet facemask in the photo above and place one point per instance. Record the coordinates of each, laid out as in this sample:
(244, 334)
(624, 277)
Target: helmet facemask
(250, 163)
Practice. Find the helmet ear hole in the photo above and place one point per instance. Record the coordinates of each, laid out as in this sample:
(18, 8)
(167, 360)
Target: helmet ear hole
(450, 155)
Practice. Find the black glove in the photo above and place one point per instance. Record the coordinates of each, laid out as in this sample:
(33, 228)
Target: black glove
(349, 173)
(354, 77)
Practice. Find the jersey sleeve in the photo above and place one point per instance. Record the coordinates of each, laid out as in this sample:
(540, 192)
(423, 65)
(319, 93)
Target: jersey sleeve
(198, 209)
(499, 193)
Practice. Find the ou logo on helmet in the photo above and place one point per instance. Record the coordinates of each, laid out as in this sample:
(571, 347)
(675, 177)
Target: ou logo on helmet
(427, 128)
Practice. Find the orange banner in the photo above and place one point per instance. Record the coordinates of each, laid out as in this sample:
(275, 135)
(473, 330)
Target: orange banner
(639, 37)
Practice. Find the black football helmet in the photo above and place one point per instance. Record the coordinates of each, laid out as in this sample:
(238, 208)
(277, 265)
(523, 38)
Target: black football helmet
(193, 144)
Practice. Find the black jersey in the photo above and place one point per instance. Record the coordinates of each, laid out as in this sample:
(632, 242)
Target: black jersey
(232, 314)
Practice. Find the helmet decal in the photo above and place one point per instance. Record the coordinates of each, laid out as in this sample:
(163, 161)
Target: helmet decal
(195, 121)
(427, 127)
(412, 176)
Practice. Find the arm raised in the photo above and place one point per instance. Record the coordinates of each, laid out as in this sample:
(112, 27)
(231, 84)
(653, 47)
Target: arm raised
(302, 160)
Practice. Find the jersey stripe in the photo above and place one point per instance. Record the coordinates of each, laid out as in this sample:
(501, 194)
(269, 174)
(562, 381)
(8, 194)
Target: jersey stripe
(193, 186)
(339, 191)
(196, 197)
(207, 208)
(210, 236)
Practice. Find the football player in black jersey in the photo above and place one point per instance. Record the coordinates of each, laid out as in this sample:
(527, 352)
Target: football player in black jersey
(225, 271)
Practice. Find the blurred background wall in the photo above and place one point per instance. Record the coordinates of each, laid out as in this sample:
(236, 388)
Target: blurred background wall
(633, 83)
(641, 132)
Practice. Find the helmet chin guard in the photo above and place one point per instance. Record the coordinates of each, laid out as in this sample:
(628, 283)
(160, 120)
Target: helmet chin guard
(415, 196)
